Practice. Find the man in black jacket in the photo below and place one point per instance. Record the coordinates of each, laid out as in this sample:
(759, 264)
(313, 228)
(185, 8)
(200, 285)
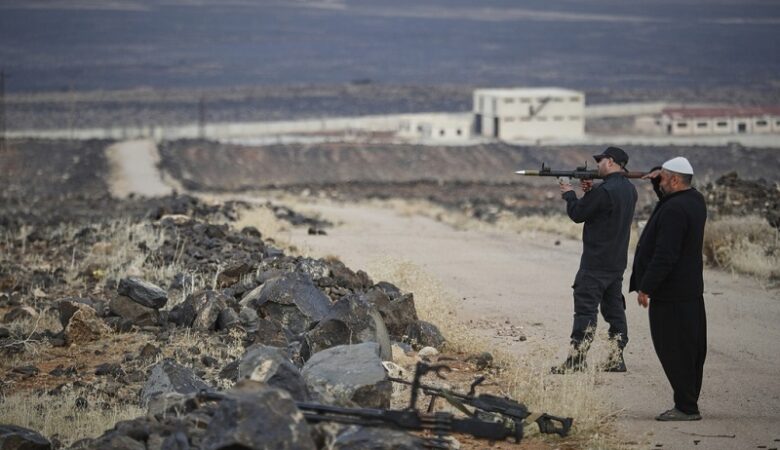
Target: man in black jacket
(607, 210)
(668, 270)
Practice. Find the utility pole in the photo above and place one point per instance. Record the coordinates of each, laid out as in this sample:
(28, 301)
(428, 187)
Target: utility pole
(2, 111)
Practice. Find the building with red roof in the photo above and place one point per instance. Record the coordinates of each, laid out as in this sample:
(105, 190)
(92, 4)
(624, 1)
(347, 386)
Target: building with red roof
(720, 120)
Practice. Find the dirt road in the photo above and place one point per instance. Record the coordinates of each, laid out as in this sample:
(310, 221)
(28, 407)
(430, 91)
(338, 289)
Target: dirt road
(134, 169)
(495, 276)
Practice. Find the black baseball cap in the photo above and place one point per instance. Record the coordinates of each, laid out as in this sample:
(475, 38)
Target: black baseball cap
(617, 155)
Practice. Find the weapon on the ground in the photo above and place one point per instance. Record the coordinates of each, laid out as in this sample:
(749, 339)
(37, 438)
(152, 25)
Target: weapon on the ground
(486, 406)
(440, 423)
(410, 418)
(492, 418)
(582, 173)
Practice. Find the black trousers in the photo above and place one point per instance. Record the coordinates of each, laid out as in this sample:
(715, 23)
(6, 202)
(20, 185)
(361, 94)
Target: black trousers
(594, 289)
(679, 332)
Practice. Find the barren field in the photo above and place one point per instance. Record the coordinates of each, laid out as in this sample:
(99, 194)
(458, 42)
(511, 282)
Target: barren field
(470, 251)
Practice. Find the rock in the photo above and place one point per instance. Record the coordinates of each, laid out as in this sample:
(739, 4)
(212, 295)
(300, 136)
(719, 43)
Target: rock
(294, 301)
(227, 319)
(424, 334)
(251, 231)
(177, 219)
(209, 361)
(84, 326)
(481, 360)
(182, 280)
(20, 313)
(316, 269)
(110, 441)
(271, 333)
(351, 320)
(168, 376)
(427, 352)
(128, 309)
(389, 289)
(251, 297)
(272, 366)
(259, 417)
(112, 369)
(346, 278)
(68, 306)
(13, 437)
(398, 312)
(4, 333)
(232, 274)
(394, 370)
(199, 310)
(143, 292)
(372, 438)
(230, 371)
(149, 352)
(349, 375)
(26, 371)
(175, 441)
(327, 334)
(248, 318)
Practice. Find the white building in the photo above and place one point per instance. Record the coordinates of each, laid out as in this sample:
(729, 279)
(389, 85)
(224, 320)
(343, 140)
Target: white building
(529, 113)
(436, 127)
(719, 120)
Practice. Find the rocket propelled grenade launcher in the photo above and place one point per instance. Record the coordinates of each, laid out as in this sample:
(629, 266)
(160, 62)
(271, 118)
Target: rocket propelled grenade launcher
(581, 173)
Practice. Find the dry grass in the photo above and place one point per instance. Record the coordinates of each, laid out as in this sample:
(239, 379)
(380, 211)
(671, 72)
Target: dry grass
(65, 416)
(46, 320)
(525, 378)
(276, 231)
(118, 253)
(24, 331)
(746, 245)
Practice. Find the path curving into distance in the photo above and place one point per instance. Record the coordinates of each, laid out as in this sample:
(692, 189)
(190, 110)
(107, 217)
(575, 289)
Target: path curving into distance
(134, 169)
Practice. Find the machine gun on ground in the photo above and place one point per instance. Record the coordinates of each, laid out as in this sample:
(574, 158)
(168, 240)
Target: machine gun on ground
(581, 173)
(440, 423)
(492, 418)
(502, 410)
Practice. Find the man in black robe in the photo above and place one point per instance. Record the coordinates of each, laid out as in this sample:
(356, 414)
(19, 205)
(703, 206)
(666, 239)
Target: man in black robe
(667, 276)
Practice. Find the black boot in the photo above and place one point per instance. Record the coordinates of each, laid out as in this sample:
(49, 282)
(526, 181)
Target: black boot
(575, 362)
(615, 363)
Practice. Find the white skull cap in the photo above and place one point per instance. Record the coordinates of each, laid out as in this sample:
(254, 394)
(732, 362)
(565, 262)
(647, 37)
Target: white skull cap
(679, 165)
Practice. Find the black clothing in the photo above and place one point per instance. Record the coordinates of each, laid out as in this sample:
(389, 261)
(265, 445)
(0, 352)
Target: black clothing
(668, 260)
(679, 332)
(668, 267)
(607, 211)
(594, 289)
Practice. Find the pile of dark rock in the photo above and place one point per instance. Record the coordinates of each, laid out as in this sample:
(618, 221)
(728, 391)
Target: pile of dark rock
(732, 196)
(310, 330)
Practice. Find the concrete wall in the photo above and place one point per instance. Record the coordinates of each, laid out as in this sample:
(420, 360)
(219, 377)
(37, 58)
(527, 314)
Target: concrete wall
(219, 131)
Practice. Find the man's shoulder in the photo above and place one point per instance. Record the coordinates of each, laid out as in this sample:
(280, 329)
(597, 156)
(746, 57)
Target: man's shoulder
(685, 198)
(617, 182)
(682, 203)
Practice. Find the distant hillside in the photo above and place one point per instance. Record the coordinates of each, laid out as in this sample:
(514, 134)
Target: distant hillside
(208, 166)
